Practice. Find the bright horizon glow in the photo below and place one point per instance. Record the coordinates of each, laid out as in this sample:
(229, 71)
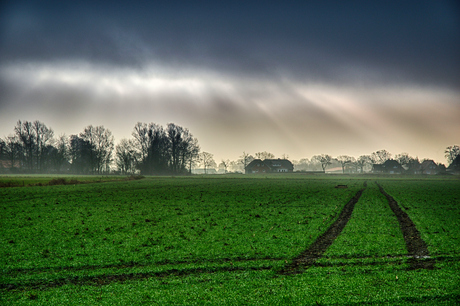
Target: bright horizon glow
(273, 115)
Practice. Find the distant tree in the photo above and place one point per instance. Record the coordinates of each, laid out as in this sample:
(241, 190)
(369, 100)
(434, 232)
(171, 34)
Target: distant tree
(301, 165)
(344, 160)
(381, 156)
(191, 152)
(80, 155)
(25, 132)
(125, 156)
(225, 164)
(174, 133)
(164, 151)
(403, 159)
(324, 159)
(362, 161)
(57, 155)
(141, 140)
(183, 148)
(441, 168)
(102, 144)
(285, 156)
(43, 145)
(2, 151)
(264, 155)
(414, 165)
(451, 153)
(207, 160)
(13, 151)
(236, 166)
(157, 159)
(245, 159)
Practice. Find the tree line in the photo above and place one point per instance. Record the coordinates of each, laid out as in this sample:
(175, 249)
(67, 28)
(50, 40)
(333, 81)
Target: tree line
(348, 163)
(153, 149)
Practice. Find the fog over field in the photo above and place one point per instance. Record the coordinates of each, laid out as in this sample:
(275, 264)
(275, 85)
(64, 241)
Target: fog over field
(297, 78)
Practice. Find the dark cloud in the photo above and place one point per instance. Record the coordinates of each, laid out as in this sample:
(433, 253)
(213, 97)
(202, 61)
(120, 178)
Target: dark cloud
(414, 41)
(293, 76)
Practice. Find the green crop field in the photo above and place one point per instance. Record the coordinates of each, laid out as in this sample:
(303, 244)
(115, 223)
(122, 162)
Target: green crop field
(231, 240)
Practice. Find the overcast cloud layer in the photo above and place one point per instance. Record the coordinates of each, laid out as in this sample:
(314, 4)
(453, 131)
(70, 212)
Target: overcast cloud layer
(296, 78)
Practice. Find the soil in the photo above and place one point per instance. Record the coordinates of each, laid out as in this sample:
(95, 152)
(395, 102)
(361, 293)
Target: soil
(416, 246)
(308, 257)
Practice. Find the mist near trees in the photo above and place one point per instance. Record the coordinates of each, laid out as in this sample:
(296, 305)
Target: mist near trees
(156, 150)
(33, 148)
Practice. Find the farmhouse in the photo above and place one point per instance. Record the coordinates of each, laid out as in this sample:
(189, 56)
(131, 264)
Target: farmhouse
(269, 166)
(429, 167)
(390, 167)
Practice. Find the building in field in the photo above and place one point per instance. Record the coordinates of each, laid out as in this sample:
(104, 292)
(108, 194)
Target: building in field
(269, 166)
(391, 166)
(429, 167)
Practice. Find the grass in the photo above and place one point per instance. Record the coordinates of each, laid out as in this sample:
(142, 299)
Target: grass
(29, 180)
(373, 230)
(434, 206)
(221, 240)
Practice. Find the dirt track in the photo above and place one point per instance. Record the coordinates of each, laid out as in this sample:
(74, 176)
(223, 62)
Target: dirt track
(415, 245)
(316, 250)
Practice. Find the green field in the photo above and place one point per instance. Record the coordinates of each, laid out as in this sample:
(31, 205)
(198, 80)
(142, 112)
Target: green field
(227, 240)
(56, 179)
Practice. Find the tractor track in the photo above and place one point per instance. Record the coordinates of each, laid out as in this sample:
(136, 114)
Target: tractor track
(416, 247)
(308, 257)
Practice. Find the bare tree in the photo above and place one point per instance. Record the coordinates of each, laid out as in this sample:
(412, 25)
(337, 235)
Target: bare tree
(362, 161)
(301, 165)
(125, 153)
(264, 155)
(225, 164)
(102, 144)
(26, 135)
(236, 166)
(451, 153)
(245, 159)
(324, 159)
(2, 151)
(44, 138)
(13, 151)
(207, 160)
(403, 159)
(381, 156)
(59, 153)
(141, 139)
(186, 148)
(80, 155)
(343, 160)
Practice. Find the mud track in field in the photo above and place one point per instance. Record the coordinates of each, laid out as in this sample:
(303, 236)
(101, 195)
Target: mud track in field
(416, 246)
(308, 257)
(101, 280)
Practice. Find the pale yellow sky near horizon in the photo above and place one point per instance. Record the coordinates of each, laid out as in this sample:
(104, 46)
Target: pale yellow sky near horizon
(229, 115)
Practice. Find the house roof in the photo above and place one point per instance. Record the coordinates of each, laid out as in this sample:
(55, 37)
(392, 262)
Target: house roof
(387, 165)
(272, 163)
(427, 163)
(391, 163)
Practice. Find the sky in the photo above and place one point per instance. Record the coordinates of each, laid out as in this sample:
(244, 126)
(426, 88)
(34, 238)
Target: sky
(299, 78)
